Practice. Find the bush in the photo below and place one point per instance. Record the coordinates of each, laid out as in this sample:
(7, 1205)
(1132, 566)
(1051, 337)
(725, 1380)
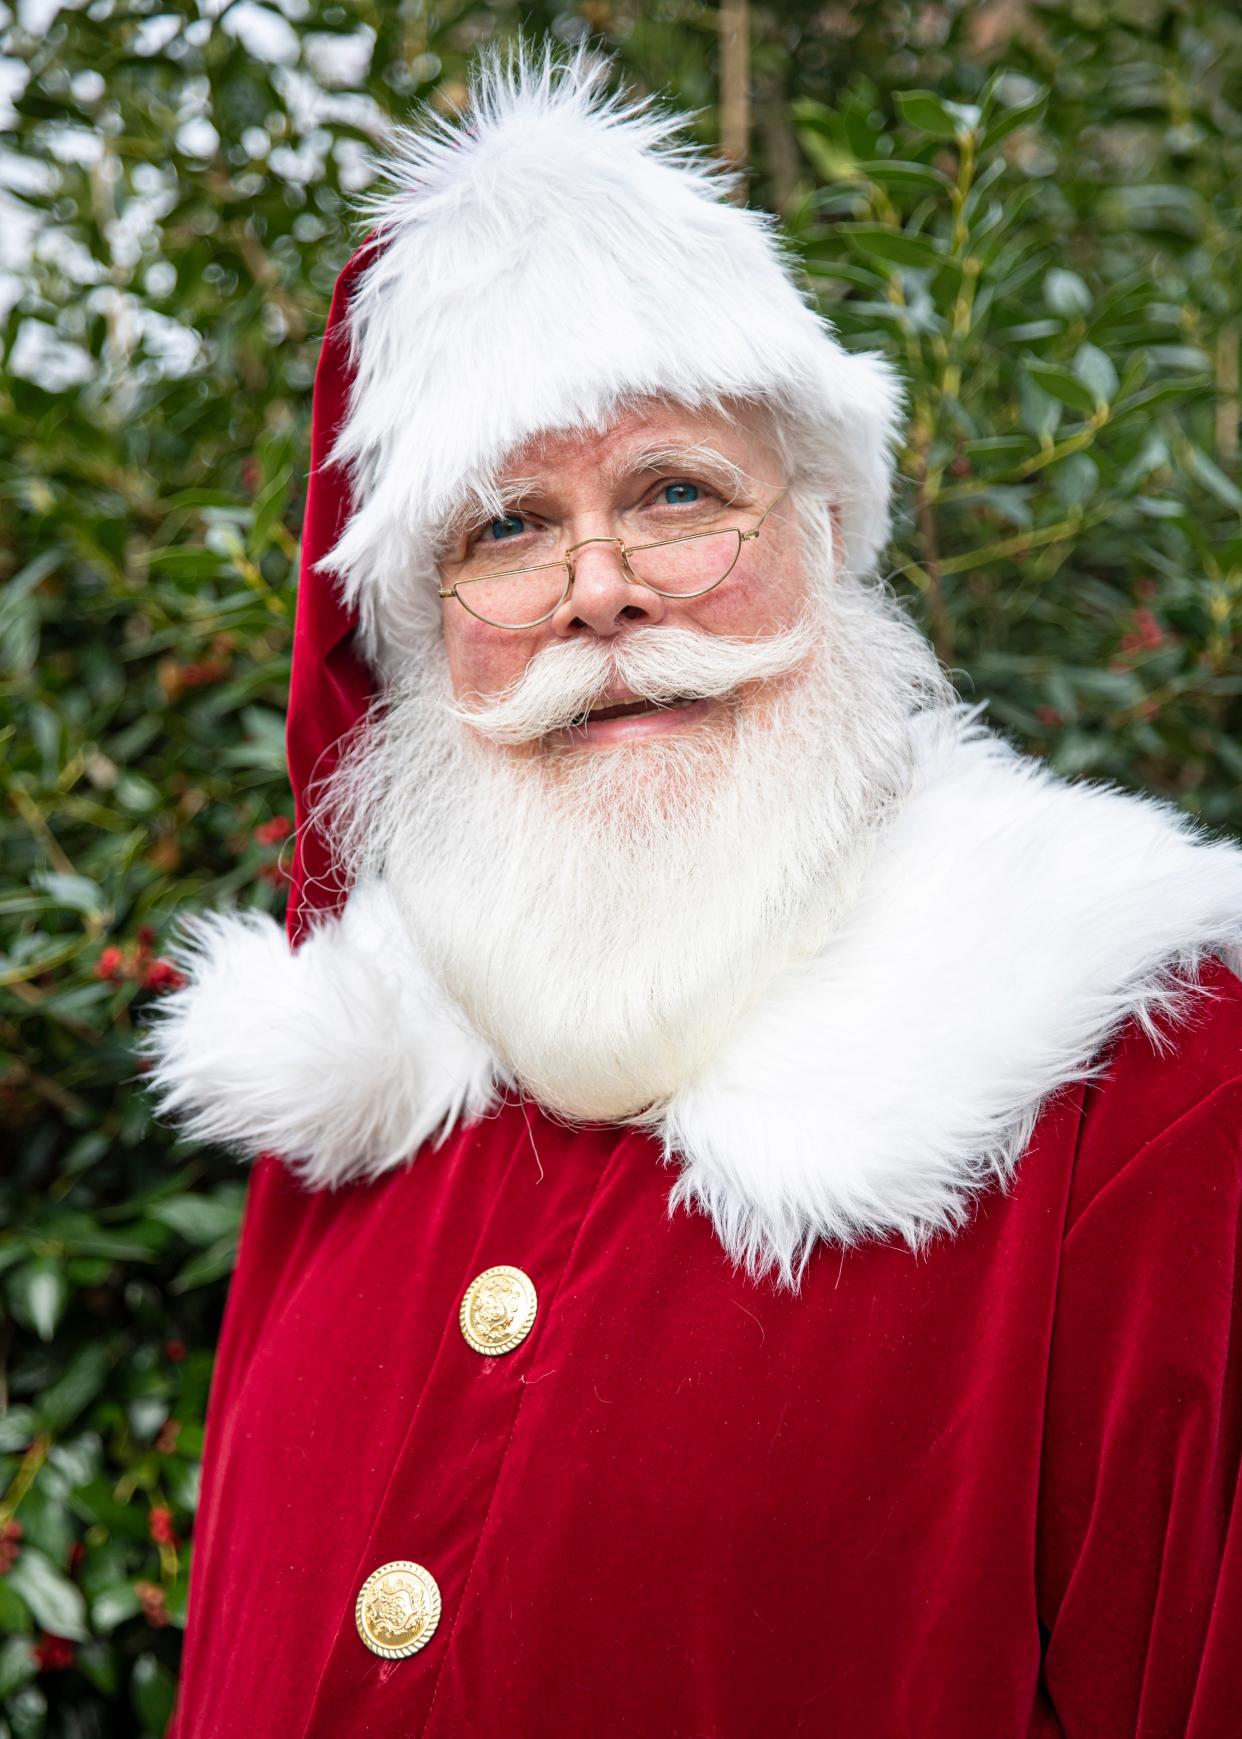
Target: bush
(1028, 207)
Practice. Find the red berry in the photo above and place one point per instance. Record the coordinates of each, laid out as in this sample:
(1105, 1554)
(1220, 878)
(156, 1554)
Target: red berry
(53, 1654)
(166, 1442)
(198, 675)
(273, 831)
(162, 975)
(174, 1350)
(154, 1606)
(111, 964)
(161, 1526)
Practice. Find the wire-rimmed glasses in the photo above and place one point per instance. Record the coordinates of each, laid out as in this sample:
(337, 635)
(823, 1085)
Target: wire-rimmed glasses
(675, 567)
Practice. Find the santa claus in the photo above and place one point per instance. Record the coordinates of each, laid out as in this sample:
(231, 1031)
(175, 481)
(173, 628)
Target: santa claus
(744, 1239)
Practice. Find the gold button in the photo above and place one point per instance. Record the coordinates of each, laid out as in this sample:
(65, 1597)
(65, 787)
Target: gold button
(398, 1609)
(498, 1310)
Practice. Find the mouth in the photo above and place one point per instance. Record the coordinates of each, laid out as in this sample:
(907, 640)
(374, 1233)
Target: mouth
(616, 721)
(631, 709)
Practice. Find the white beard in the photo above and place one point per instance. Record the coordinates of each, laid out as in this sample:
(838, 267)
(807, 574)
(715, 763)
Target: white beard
(602, 916)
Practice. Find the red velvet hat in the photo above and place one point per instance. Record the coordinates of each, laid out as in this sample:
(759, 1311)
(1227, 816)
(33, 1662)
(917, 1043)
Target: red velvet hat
(332, 686)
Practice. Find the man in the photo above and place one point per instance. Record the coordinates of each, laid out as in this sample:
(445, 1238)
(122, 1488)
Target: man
(746, 1228)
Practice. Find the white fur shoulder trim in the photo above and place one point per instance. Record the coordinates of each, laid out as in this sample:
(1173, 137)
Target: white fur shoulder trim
(1009, 925)
(342, 1057)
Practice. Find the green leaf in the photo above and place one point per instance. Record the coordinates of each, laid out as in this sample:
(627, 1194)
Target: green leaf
(1167, 392)
(1095, 369)
(208, 1265)
(18, 1426)
(56, 1603)
(824, 261)
(894, 246)
(12, 1254)
(998, 446)
(1066, 293)
(1213, 478)
(75, 892)
(97, 1502)
(1006, 121)
(1061, 384)
(17, 1665)
(930, 114)
(905, 176)
(113, 1249)
(98, 1661)
(268, 508)
(152, 1689)
(1076, 479)
(831, 161)
(38, 1294)
(14, 1613)
(189, 564)
(114, 1606)
(201, 1219)
(76, 1387)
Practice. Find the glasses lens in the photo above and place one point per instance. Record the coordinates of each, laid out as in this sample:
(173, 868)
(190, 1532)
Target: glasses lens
(687, 565)
(515, 600)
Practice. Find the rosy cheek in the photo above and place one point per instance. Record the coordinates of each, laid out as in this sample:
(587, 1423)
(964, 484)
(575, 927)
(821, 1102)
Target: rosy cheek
(481, 659)
(760, 598)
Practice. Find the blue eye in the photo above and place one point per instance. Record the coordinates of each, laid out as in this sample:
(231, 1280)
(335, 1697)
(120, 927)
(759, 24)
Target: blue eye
(680, 494)
(512, 525)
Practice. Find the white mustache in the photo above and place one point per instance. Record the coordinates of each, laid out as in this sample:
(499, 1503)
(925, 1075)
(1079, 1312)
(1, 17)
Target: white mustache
(564, 682)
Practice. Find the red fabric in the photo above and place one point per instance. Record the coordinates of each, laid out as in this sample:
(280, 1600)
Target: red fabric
(983, 1494)
(331, 686)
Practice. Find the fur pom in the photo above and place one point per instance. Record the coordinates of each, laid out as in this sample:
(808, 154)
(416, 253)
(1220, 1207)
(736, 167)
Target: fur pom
(552, 256)
(342, 1057)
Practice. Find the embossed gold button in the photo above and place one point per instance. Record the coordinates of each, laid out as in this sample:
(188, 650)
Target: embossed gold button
(398, 1609)
(498, 1310)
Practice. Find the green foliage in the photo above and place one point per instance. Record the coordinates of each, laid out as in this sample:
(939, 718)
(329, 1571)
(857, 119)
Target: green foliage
(1029, 208)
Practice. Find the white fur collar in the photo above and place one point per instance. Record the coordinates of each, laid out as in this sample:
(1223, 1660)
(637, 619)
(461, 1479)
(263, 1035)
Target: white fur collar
(1009, 924)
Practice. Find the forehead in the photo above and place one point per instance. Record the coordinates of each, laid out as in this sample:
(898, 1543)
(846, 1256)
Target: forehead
(740, 433)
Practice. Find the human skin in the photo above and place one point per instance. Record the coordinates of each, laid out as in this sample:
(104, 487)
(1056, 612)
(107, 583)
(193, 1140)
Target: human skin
(601, 485)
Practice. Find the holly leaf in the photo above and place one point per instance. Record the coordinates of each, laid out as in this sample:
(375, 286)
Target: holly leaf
(931, 114)
(1061, 385)
(56, 1603)
(894, 246)
(38, 1293)
(152, 1689)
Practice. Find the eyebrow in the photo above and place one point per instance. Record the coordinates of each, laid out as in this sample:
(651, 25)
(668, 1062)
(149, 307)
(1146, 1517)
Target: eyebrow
(730, 479)
(497, 498)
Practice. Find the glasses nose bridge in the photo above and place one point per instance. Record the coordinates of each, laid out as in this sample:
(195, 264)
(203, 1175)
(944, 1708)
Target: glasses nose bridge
(571, 556)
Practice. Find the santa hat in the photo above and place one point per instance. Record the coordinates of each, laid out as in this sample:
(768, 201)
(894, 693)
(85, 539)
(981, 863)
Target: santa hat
(535, 265)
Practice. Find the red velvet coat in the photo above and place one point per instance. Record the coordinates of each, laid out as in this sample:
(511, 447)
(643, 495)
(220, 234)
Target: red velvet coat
(986, 1493)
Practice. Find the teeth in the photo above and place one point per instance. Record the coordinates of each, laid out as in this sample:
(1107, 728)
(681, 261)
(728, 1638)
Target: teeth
(631, 708)
(622, 709)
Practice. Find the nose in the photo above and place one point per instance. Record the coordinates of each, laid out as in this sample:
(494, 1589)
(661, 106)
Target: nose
(604, 597)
